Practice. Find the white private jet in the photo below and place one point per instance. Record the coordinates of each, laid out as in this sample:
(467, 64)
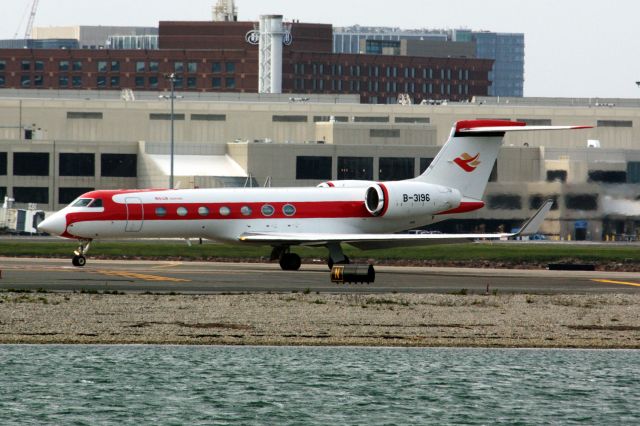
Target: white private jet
(365, 214)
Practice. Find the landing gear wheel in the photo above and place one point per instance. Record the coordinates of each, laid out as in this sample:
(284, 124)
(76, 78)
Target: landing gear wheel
(79, 261)
(330, 262)
(290, 262)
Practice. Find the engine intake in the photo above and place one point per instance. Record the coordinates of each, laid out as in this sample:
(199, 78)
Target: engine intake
(375, 200)
(409, 198)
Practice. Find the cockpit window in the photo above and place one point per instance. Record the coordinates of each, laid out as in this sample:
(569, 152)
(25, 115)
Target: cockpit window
(82, 202)
(96, 203)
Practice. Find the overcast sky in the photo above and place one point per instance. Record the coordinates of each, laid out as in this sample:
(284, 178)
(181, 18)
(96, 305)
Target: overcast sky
(573, 48)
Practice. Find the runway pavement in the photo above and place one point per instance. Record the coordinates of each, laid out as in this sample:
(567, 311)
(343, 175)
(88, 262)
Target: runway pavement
(208, 277)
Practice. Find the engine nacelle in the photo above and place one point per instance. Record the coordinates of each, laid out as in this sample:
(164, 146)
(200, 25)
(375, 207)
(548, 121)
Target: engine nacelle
(408, 198)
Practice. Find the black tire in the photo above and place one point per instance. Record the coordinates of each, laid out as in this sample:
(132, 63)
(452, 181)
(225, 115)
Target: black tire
(290, 262)
(74, 261)
(82, 261)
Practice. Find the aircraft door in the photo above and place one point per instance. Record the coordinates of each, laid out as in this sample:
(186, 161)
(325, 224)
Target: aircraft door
(135, 214)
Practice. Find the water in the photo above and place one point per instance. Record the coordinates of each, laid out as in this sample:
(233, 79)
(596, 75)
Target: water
(267, 385)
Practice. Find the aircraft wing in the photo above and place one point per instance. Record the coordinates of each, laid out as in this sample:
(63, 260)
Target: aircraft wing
(374, 241)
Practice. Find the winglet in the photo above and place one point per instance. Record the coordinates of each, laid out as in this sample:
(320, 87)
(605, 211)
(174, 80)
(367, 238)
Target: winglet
(533, 224)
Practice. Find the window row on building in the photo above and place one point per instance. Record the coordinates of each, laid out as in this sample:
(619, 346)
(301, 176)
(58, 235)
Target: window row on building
(587, 202)
(390, 168)
(70, 164)
(631, 175)
(116, 82)
(116, 66)
(390, 71)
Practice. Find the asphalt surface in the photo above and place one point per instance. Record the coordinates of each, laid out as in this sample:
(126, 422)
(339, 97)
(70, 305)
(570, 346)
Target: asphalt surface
(210, 277)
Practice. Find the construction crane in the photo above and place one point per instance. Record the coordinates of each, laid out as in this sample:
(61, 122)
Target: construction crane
(32, 17)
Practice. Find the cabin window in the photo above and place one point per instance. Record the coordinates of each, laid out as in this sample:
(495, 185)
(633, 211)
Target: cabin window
(267, 210)
(225, 211)
(203, 211)
(288, 210)
(82, 202)
(182, 211)
(245, 211)
(161, 211)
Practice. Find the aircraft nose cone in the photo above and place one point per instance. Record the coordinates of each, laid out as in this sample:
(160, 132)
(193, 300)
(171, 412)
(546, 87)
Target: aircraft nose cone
(55, 224)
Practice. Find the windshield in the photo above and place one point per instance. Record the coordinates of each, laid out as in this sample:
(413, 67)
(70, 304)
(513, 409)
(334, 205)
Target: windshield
(82, 202)
(96, 203)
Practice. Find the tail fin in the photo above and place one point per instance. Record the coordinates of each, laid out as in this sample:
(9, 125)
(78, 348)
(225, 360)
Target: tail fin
(466, 160)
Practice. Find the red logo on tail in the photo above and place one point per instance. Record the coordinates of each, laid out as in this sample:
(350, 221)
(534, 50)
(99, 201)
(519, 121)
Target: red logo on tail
(467, 162)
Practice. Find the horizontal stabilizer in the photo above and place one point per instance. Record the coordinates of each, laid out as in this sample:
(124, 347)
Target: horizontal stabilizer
(518, 128)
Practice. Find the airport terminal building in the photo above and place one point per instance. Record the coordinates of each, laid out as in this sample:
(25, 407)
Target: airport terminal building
(55, 145)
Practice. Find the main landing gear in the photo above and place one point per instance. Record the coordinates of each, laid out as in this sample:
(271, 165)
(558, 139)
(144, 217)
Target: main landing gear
(288, 261)
(78, 258)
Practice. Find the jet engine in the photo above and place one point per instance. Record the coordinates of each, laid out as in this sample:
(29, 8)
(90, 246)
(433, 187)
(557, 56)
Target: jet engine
(409, 198)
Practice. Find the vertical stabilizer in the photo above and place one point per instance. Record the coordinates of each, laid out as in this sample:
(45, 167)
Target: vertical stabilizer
(466, 160)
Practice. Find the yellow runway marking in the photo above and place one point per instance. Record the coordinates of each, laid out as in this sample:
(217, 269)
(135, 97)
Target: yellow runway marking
(618, 282)
(144, 277)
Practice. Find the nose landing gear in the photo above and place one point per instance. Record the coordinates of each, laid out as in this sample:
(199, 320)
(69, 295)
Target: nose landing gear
(78, 258)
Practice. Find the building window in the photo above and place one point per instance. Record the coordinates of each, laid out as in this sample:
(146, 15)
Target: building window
(230, 82)
(101, 81)
(355, 168)
(230, 67)
(384, 133)
(615, 123)
(3, 192)
(139, 81)
(63, 66)
(535, 121)
(3, 65)
(39, 66)
(76, 66)
(178, 83)
(84, 115)
(67, 195)
(208, 117)
(115, 66)
(581, 201)
(413, 120)
(191, 82)
(31, 164)
(2, 80)
(505, 202)
(114, 81)
(25, 66)
(633, 172)
(102, 66)
(308, 167)
(119, 165)
(141, 66)
(63, 81)
(216, 82)
(289, 118)
(30, 194)
(556, 175)
(153, 82)
(370, 119)
(424, 164)
(165, 116)
(216, 67)
(73, 164)
(76, 81)
(25, 81)
(178, 66)
(38, 80)
(608, 176)
(192, 67)
(535, 201)
(153, 66)
(3, 163)
(392, 168)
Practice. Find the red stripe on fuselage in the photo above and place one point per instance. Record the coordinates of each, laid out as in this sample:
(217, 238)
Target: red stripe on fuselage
(464, 207)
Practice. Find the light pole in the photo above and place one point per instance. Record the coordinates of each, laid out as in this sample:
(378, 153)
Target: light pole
(172, 81)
